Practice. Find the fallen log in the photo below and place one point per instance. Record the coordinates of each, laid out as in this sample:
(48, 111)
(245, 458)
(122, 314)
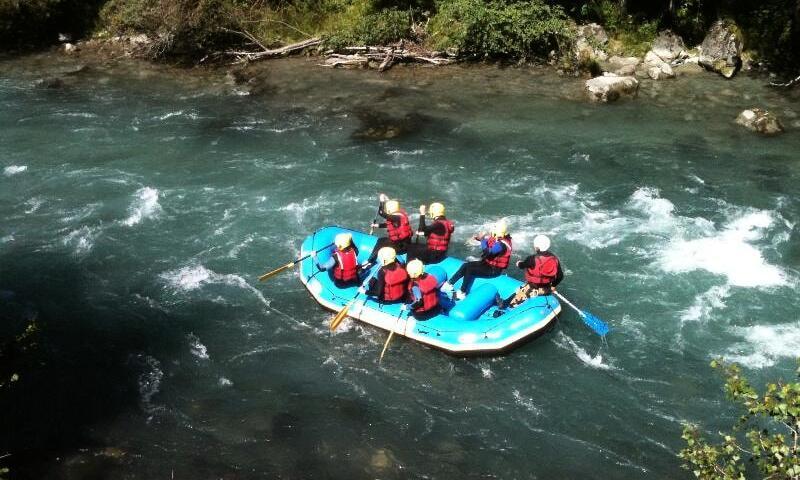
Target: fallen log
(246, 56)
(387, 56)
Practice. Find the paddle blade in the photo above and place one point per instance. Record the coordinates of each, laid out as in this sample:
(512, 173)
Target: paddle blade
(339, 317)
(275, 272)
(386, 345)
(598, 326)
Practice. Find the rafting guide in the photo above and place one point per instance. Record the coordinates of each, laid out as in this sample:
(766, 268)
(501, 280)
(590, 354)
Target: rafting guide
(416, 290)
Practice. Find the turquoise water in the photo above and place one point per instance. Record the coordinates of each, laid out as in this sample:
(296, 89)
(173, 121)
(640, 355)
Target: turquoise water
(139, 205)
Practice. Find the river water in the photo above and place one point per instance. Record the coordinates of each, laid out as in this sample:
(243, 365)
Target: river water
(139, 205)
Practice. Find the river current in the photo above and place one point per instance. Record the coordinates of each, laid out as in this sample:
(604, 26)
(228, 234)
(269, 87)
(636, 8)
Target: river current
(139, 205)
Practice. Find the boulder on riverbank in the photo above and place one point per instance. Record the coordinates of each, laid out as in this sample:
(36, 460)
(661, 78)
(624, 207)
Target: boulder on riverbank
(589, 44)
(721, 50)
(610, 87)
(657, 68)
(760, 121)
(622, 66)
(668, 46)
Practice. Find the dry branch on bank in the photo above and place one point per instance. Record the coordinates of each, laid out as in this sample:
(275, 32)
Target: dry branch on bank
(245, 56)
(384, 57)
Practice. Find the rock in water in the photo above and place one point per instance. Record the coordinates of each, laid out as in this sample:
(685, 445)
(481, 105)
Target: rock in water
(610, 87)
(668, 46)
(721, 51)
(657, 68)
(622, 66)
(760, 121)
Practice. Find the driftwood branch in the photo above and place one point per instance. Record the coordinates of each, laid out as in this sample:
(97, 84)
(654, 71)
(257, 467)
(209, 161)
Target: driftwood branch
(788, 84)
(245, 56)
(387, 56)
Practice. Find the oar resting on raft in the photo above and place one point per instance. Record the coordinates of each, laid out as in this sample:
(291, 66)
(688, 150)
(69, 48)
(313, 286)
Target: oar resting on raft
(598, 326)
(290, 264)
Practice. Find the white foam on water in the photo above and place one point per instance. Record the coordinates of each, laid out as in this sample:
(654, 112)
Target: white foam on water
(565, 342)
(150, 384)
(145, 205)
(658, 211)
(705, 303)
(224, 382)
(8, 238)
(196, 347)
(697, 179)
(168, 115)
(191, 278)
(34, 204)
(728, 252)
(765, 345)
(81, 240)
(14, 169)
(526, 403)
(298, 210)
(397, 153)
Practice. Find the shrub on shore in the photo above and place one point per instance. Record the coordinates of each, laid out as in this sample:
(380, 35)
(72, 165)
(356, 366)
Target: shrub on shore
(500, 29)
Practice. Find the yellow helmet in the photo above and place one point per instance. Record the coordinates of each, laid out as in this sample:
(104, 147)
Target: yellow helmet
(436, 209)
(386, 255)
(415, 268)
(392, 207)
(343, 240)
(500, 228)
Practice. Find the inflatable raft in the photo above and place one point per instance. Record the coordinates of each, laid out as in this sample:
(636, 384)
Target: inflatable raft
(464, 327)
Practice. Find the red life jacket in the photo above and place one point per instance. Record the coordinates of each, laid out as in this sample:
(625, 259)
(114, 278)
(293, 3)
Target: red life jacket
(395, 283)
(543, 271)
(346, 268)
(499, 261)
(430, 294)
(402, 232)
(439, 243)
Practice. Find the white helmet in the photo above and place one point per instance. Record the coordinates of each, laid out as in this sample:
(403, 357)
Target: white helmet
(392, 207)
(541, 243)
(500, 228)
(436, 209)
(387, 255)
(343, 240)
(415, 268)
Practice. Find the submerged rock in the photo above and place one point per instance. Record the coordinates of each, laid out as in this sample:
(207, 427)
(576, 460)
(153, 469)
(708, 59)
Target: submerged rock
(376, 125)
(51, 83)
(609, 87)
(760, 121)
(721, 50)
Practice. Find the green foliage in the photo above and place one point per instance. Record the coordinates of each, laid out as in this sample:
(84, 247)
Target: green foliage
(498, 29)
(631, 34)
(773, 420)
(182, 28)
(361, 25)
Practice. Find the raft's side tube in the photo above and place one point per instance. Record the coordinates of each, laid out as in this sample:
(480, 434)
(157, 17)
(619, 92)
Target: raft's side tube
(437, 272)
(477, 302)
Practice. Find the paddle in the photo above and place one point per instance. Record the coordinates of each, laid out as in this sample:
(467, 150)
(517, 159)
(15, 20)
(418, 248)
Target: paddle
(342, 313)
(377, 214)
(598, 326)
(386, 345)
(290, 264)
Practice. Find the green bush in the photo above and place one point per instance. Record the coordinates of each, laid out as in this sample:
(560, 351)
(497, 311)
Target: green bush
(499, 29)
(179, 28)
(374, 28)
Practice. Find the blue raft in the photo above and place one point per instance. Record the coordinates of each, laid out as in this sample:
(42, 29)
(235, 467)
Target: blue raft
(464, 327)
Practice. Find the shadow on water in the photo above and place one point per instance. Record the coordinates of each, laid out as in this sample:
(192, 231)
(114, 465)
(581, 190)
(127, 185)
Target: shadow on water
(80, 372)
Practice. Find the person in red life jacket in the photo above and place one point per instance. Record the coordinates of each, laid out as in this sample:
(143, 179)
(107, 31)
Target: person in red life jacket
(397, 227)
(389, 284)
(496, 253)
(343, 264)
(423, 290)
(438, 235)
(542, 273)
